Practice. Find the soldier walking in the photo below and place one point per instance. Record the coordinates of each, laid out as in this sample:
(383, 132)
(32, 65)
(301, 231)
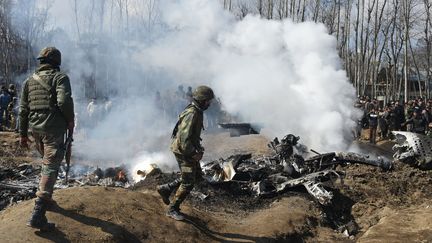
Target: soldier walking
(47, 108)
(187, 149)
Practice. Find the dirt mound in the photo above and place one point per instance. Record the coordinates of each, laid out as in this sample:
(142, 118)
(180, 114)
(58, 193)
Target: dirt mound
(413, 224)
(372, 191)
(100, 214)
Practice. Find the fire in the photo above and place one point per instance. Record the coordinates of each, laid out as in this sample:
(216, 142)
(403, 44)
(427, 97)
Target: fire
(150, 169)
(147, 164)
(121, 176)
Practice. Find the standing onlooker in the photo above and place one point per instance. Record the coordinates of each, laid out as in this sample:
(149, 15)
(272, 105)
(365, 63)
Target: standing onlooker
(391, 119)
(13, 109)
(373, 124)
(189, 94)
(400, 116)
(382, 123)
(417, 123)
(93, 111)
(426, 114)
(5, 99)
(180, 100)
(12, 92)
(409, 111)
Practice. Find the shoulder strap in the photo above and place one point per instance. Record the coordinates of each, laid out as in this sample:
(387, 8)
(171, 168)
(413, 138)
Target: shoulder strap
(39, 80)
(175, 130)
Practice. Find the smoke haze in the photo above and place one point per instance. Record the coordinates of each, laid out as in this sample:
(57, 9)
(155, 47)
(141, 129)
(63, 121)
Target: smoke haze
(285, 76)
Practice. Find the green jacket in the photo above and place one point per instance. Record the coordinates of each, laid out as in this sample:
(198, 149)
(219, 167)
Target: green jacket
(187, 132)
(42, 110)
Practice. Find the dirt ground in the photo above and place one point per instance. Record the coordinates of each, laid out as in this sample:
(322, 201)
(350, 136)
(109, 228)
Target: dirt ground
(392, 206)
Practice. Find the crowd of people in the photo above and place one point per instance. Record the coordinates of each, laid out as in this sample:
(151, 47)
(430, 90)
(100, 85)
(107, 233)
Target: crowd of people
(8, 108)
(172, 104)
(412, 116)
(96, 110)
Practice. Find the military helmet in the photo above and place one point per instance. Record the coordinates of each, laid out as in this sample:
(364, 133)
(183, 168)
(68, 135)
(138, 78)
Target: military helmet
(51, 55)
(203, 93)
(290, 139)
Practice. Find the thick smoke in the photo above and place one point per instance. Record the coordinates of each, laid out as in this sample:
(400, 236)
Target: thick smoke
(282, 75)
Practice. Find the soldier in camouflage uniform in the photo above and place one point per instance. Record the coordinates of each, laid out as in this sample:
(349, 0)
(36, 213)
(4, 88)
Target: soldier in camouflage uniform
(46, 107)
(187, 149)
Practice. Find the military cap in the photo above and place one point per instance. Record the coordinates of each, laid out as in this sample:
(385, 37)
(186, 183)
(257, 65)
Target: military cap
(203, 93)
(51, 55)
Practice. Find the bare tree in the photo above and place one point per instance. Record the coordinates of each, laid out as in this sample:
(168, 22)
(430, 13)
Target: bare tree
(428, 6)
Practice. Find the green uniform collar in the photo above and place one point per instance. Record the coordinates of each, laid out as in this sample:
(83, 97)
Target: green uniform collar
(195, 103)
(45, 67)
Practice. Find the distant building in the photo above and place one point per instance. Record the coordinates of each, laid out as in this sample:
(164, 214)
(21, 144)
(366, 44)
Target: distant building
(415, 84)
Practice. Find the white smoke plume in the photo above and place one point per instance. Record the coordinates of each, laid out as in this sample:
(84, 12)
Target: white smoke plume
(285, 76)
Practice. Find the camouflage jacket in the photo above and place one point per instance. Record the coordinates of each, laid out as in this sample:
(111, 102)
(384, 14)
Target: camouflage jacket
(46, 111)
(186, 137)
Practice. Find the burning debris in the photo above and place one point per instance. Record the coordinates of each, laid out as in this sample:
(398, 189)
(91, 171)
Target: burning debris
(21, 183)
(414, 149)
(87, 175)
(267, 176)
(152, 169)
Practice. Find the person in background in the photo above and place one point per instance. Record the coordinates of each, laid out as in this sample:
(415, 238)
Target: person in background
(373, 124)
(13, 109)
(400, 116)
(417, 123)
(12, 91)
(189, 94)
(382, 123)
(5, 99)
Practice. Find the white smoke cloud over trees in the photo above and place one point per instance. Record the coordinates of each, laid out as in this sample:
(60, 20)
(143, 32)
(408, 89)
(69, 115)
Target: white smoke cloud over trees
(286, 76)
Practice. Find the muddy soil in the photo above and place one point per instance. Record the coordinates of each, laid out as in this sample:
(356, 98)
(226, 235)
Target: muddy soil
(374, 206)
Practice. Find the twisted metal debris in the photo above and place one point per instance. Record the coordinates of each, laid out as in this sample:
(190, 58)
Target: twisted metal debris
(287, 168)
(413, 148)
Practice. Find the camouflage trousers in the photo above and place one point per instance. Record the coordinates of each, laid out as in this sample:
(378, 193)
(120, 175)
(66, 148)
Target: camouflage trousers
(190, 174)
(51, 147)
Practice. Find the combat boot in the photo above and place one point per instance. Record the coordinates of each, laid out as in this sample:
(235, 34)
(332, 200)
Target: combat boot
(38, 219)
(174, 212)
(165, 190)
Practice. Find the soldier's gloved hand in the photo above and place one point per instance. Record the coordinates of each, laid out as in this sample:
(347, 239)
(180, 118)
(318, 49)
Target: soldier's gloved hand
(24, 142)
(197, 157)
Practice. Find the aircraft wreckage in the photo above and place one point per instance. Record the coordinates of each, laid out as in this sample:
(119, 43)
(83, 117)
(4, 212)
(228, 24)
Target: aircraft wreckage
(414, 149)
(269, 176)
